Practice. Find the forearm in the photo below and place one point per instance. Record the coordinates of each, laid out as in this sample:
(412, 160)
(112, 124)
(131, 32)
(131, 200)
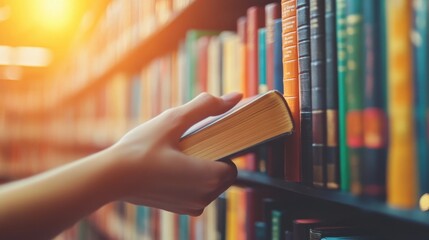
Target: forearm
(43, 205)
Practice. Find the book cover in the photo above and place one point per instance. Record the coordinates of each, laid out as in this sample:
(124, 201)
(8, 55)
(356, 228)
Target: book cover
(221, 206)
(292, 163)
(374, 114)
(318, 91)
(214, 67)
(255, 20)
(230, 72)
(272, 12)
(202, 63)
(192, 37)
(242, 55)
(420, 43)
(341, 33)
(401, 170)
(304, 56)
(278, 56)
(262, 59)
(355, 91)
(211, 139)
(277, 224)
(332, 155)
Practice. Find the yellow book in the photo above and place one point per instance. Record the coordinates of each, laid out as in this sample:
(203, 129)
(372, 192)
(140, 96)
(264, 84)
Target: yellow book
(232, 204)
(253, 121)
(401, 172)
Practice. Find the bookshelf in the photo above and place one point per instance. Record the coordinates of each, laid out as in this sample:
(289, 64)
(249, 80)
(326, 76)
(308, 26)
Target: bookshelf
(66, 102)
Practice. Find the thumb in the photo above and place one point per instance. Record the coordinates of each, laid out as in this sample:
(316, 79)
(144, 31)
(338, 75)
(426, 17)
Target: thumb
(203, 106)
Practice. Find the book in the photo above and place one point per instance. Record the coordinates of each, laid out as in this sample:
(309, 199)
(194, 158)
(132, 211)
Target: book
(342, 102)
(278, 56)
(420, 43)
(304, 69)
(262, 59)
(318, 94)
(255, 20)
(301, 227)
(402, 169)
(292, 166)
(253, 121)
(332, 160)
(355, 90)
(374, 113)
(272, 13)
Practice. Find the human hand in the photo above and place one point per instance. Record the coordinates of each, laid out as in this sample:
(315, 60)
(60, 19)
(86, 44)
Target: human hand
(153, 170)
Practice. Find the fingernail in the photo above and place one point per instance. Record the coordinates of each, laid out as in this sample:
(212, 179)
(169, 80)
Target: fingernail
(231, 96)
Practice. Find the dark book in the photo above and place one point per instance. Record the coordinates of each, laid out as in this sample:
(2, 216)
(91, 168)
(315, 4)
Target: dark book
(373, 175)
(292, 164)
(355, 91)
(301, 228)
(221, 216)
(319, 233)
(332, 154)
(304, 69)
(318, 90)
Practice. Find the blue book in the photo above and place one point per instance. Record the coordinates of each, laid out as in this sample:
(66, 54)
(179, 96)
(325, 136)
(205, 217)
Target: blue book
(278, 56)
(262, 60)
(184, 227)
(421, 88)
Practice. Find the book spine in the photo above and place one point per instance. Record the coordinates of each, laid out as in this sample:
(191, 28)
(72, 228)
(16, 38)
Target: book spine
(292, 166)
(318, 86)
(342, 106)
(303, 23)
(419, 39)
(278, 56)
(242, 36)
(202, 49)
(401, 173)
(221, 205)
(272, 12)
(255, 20)
(332, 158)
(374, 115)
(355, 90)
(262, 59)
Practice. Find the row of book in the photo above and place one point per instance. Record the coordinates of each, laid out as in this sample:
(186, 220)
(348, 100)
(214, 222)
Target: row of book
(240, 213)
(362, 82)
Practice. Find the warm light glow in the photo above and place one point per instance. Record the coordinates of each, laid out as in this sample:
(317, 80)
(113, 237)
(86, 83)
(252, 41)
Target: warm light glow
(4, 13)
(54, 13)
(32, 56)
(6, 55)
(25, 56)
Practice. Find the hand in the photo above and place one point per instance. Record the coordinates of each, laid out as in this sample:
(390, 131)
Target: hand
(156, 173)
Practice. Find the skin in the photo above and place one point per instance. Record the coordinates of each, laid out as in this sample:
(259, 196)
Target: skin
(144, 167)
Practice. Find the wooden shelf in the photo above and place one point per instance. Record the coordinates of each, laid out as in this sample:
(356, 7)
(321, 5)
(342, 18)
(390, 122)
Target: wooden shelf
(366, 204)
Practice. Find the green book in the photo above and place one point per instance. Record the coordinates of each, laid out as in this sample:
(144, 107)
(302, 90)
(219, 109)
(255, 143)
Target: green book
(355, 77)
(277, 228)
(342, 106)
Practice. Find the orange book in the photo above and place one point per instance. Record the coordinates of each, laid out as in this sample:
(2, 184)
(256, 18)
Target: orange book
(291, 88)
(401, 172)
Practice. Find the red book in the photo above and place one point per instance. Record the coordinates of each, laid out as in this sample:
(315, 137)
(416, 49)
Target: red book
(255, 20)
(202, 56)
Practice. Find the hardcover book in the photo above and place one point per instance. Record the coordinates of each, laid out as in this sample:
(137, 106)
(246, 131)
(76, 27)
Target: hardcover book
(253, 121)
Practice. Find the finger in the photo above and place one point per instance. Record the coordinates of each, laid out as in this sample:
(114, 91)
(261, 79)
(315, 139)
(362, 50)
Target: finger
(203, 106)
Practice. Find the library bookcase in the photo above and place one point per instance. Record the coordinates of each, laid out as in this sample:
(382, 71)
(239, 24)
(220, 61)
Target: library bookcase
(142, 57)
